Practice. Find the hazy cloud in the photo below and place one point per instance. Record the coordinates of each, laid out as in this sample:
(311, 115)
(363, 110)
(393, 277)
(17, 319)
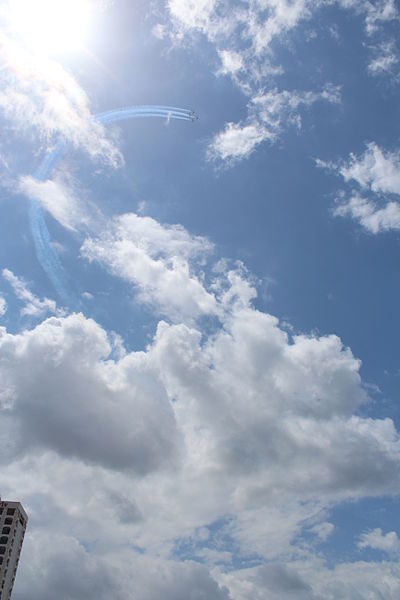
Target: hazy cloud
(3, 306)
(57, 198)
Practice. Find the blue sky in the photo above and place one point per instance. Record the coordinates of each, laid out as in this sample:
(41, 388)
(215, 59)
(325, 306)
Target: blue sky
(199, 317)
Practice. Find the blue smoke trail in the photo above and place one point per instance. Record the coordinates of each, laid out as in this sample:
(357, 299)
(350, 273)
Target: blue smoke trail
(45, 252)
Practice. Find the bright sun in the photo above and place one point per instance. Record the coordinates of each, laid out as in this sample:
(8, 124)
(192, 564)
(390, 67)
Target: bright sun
(50, 26)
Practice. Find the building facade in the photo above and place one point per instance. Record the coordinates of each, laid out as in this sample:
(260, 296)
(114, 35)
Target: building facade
(13, 520)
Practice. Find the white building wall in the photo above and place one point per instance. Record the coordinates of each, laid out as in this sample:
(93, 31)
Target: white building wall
(13, 521)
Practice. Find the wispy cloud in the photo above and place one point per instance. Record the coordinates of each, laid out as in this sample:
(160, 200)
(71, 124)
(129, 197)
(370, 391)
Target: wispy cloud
(369, 214)
(376, 170)
(385, 60)
(33, 306)
(59, 199)
(269, 114)
(375, 203)
(245, 36)
(377, 540)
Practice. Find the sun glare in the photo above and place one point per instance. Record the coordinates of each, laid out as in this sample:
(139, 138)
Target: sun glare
(50, 26)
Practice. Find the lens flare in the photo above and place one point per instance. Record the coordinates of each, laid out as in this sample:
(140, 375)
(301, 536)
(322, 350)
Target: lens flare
(50, 26)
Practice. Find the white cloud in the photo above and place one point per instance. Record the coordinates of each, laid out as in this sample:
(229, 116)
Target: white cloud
(125, 460)
(376, 170)
(231, 62)
(159, 261)
(385, 59)
(280, 441)
(248, 427)
(245, 36)
(373, 218)
(375, 539)
(312, 580)
(3, 306)
(68, 397)
(69, 570)
(217, 19)
(378, 13)
(323, 530)
(269, 114)
(58, 198)
(33, 306)
(377, 174)
(242, 35)
(192, 14)
(238, 141)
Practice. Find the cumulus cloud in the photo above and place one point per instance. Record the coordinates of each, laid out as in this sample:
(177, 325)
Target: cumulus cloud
(33, 306)
(313, 580)
(276, 442)
(375, 205)
(292, 436)
(68, 570)
(65, 395)
(243, 435)
(211, 446)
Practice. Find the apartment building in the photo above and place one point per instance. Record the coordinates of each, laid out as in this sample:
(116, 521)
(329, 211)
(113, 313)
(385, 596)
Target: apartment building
(13, 520)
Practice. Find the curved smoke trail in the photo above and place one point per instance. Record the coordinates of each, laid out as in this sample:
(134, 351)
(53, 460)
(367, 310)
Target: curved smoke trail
(45, 251)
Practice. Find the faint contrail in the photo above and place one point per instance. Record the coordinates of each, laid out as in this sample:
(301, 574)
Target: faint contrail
(45, 251)
(131, 112)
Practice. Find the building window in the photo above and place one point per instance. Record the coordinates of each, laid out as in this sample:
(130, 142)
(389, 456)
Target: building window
(2, 550)
(10, 511)
(6, 530)
(8, 521)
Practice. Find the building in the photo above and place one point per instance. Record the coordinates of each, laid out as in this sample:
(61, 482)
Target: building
(13, 521)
